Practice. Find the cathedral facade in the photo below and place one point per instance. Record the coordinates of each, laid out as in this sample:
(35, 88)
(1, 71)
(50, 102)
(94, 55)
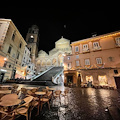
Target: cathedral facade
(55, 56)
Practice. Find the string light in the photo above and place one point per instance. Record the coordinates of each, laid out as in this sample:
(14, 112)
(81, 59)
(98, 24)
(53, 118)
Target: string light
(95, 38)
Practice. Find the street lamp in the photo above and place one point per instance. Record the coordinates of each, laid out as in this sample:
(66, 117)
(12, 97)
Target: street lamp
(5, 63)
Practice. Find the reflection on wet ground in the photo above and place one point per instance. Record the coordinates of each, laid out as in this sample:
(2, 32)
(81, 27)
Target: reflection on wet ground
(82, 104)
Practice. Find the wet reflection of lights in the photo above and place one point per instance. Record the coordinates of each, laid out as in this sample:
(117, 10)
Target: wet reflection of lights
(83, 91)
(91, 95)
(105, 94)
(91, 91)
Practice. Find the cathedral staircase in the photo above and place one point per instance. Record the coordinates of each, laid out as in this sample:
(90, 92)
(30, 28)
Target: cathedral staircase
(53, 76)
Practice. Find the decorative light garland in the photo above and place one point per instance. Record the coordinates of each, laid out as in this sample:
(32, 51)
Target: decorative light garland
(102, 65)
(88, 67)
(96, 38)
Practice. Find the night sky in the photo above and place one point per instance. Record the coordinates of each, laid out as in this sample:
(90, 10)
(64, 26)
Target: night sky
(79, 23)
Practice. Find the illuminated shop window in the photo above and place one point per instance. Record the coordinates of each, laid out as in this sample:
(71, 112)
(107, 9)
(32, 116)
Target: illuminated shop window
(102, 80)
(89, 78)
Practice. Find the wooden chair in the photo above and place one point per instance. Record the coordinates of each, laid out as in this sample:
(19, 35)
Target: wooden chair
(24, 90)
(47, 87)
(23, 93)
(57, 94)
(20, 110)
(46, 99)
(15, 87)
(65, 94)
(45, 90)
(34, 90)
(34, 104)
(23, 109)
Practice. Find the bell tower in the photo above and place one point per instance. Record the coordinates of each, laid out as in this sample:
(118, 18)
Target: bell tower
(32, 39)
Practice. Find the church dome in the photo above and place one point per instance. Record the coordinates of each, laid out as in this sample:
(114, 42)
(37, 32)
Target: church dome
(42, 53)
(62, 41)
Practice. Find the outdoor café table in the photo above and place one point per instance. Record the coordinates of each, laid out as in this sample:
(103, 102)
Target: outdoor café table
(39, 93)
(5, 91)
(6, 86)
(30, 88)
(9, 103)
(52, 89)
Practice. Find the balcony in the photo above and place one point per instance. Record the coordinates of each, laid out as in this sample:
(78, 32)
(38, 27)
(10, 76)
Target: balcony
(96, 48)
(85, 50)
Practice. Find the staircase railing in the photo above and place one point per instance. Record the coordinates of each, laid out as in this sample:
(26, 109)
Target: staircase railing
(41, 73)
(57, 79)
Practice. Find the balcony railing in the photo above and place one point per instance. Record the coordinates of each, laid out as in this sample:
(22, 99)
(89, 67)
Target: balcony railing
(117, 44)
(85, 50)
(96, 48)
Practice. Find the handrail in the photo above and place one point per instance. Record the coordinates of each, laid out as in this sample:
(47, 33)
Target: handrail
(41, 73)
(55, 76)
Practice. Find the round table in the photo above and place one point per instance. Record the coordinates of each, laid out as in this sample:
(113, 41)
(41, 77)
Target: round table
(51, 89)
(30, 88)
(39, 93)
(7, 103)
(5, 91)
(6, 86)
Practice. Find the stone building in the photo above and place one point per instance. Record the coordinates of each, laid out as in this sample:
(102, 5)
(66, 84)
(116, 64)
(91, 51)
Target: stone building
(12, 46)
(96, 60)
(27, 65)
(55, 56)
(32, 39)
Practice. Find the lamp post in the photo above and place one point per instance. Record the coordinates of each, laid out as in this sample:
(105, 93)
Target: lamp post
(5, 63)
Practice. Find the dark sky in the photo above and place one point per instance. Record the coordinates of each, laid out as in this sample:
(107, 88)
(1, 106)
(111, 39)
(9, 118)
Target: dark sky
(80, 23)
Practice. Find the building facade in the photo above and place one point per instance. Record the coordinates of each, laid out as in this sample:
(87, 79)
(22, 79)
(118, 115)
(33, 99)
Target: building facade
(96, 60)
(12, 46)
(55, 56)
(27, 65)
(32, 39)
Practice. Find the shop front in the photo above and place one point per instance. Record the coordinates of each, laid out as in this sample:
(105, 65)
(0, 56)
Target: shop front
(70, 77)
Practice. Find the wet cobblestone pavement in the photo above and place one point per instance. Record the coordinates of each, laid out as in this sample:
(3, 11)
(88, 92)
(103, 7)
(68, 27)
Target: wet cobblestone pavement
(82, 104)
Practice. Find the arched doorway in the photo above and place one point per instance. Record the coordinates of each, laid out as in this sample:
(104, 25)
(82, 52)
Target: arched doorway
(43, 63)
(60, 60)
(48, 62)
(54, 62)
